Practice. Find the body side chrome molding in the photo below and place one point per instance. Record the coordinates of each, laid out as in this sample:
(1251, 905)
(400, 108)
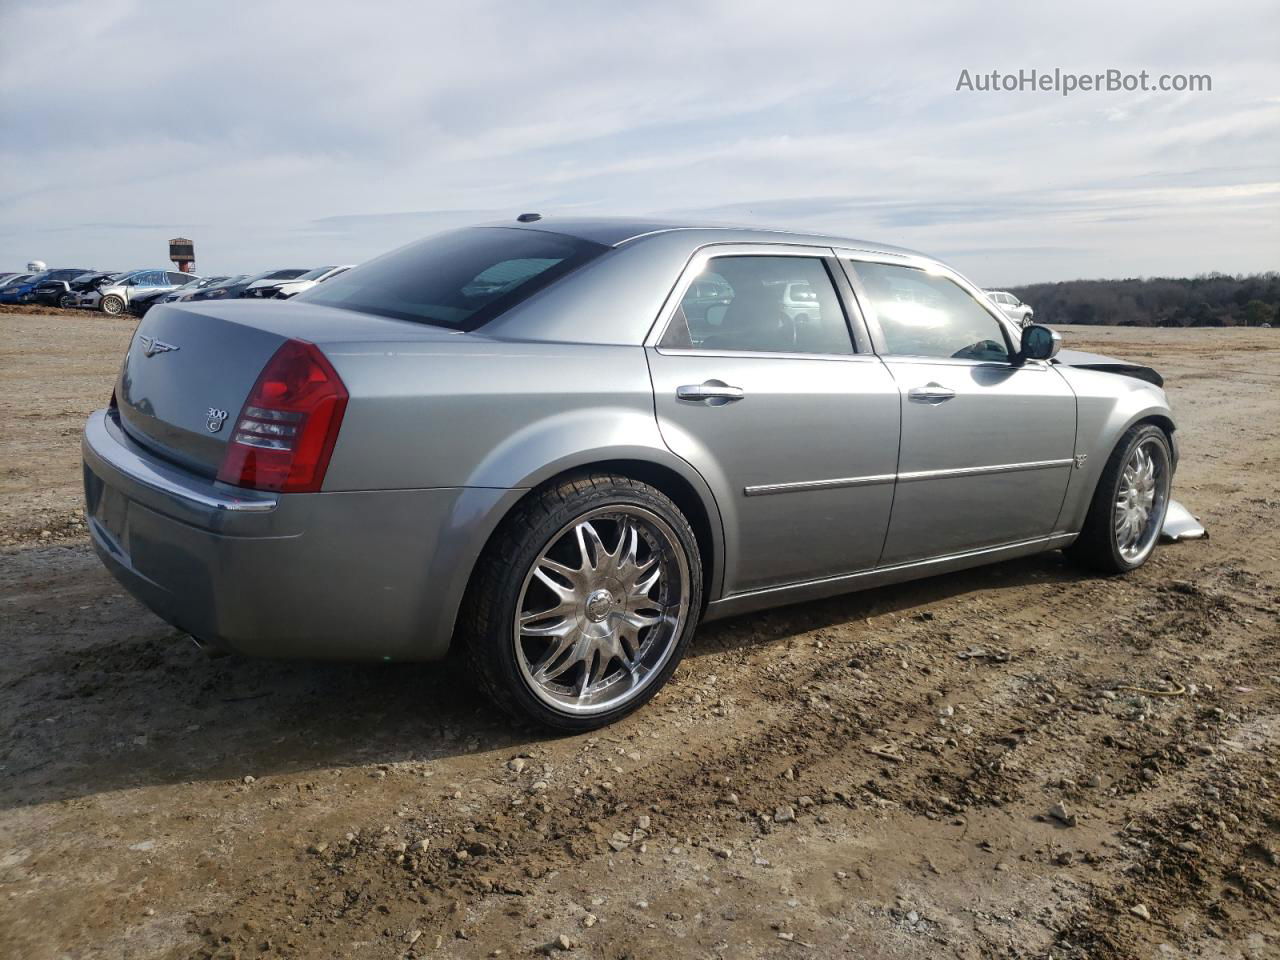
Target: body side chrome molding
(801, 486)
(911, 475)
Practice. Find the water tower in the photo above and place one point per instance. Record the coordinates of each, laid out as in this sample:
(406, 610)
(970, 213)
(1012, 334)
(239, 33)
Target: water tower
(182, 252)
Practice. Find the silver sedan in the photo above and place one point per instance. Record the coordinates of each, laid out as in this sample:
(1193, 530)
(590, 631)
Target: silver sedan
(562, 445)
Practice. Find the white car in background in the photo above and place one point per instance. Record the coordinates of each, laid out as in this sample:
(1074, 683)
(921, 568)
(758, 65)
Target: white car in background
(113, 298)
(291, 288)
(263, 285)
(1012, 307)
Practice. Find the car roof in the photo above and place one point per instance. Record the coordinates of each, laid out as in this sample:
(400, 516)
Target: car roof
(617, 231)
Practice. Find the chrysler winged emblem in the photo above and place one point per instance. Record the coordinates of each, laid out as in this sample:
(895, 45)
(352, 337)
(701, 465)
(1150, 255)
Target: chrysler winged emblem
(151, 346)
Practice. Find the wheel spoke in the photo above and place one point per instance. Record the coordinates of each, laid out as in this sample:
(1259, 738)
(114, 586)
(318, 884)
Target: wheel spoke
(563, 593)
(555, 664)
(599, 668)
(591, 546)
(640, 620)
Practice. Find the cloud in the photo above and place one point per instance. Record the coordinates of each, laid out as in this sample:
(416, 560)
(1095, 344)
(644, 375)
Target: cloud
(283, 132)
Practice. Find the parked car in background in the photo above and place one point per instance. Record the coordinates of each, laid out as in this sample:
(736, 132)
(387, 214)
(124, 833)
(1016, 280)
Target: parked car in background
(115, 296)
(258, 286)
(285, 289)
(226, 289)
(510, 440)
(84, 293)
(54, 289)
(142, 302)
(29, 290)
(85, 285)
(1012, 307)
(6, 277)
(13, 280)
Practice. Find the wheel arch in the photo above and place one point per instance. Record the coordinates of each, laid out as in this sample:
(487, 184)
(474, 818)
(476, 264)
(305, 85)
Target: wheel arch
(671, 476)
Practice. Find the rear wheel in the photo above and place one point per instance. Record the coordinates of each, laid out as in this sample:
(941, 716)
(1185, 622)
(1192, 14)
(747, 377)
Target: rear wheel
(67, 301)
(1128, 508)
(112, 306)
(585, 602)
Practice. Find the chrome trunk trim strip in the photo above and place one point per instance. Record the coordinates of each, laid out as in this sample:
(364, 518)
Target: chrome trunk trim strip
(162, 478)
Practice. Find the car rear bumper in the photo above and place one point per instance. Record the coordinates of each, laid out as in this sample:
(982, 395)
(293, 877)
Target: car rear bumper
(352, 575)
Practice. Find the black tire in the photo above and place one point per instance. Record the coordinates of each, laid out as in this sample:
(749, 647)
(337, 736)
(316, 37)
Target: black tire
(1098, 547)
(486, 624)
(67, 301)
(113, 306)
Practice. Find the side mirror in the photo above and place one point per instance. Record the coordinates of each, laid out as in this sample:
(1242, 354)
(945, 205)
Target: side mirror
(1039, 343)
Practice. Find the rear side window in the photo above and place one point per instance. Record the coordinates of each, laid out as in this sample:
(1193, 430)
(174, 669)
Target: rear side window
(459, 280)
(761, 305)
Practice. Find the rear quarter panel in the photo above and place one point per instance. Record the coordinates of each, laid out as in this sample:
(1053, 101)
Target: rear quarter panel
(496, 418)
(479, 413)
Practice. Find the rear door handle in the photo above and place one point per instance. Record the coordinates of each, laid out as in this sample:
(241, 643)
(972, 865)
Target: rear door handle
(714, 393)
(933, 393)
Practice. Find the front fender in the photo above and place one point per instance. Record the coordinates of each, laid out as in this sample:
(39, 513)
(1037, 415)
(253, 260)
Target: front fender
(1107, 405)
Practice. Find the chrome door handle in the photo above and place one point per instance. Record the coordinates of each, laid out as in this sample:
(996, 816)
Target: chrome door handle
(933, 393)
(714, 393)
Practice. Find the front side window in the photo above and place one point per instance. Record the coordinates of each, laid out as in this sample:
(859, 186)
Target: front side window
(761, 304)
(460, 279)
(923, 314)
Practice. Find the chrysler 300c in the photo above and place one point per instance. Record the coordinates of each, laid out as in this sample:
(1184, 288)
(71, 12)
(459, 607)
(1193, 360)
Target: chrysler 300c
(561, 445)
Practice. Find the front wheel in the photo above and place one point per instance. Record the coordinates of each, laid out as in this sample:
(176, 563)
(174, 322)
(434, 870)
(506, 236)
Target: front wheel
(67, 301)
(1129, 505)
(112, 306)
(584, 603)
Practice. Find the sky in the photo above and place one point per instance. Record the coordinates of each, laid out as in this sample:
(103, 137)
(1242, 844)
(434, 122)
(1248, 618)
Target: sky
(284, 133)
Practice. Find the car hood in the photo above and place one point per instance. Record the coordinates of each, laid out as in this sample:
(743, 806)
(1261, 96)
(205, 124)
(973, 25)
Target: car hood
(1096, 361)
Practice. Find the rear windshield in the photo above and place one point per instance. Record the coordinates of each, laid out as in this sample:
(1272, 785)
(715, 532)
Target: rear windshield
(459, 280)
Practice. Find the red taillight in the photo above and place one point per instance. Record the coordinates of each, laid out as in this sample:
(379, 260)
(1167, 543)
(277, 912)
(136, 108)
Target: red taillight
(285, 434)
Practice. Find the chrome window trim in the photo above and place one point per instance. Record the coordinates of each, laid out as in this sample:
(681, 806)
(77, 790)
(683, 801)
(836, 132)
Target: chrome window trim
(911, 476)
(961, 362)
(766, 355)
(697, 263)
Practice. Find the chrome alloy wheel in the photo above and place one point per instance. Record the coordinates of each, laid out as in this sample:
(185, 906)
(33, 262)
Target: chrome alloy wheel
(1141, 500)
(602, 609)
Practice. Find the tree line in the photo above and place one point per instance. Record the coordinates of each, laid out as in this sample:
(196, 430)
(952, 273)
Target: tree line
(1208, 300)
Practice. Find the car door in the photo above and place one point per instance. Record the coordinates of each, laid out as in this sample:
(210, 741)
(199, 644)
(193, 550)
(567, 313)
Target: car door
(987, 442)
(794, 426)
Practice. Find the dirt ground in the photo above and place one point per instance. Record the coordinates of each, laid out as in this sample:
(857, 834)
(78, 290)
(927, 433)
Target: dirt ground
(870, 776)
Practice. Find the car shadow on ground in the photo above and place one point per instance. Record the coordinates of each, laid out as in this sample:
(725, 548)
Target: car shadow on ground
(89, 708)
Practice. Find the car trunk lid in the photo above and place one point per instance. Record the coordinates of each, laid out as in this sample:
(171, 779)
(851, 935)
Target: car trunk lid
(190, 367)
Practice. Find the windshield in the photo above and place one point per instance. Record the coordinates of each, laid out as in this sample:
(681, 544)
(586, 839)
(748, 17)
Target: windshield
(460, 279)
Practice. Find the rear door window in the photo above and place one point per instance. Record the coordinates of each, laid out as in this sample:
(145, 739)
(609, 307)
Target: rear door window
(461, 279)
(761, 304)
